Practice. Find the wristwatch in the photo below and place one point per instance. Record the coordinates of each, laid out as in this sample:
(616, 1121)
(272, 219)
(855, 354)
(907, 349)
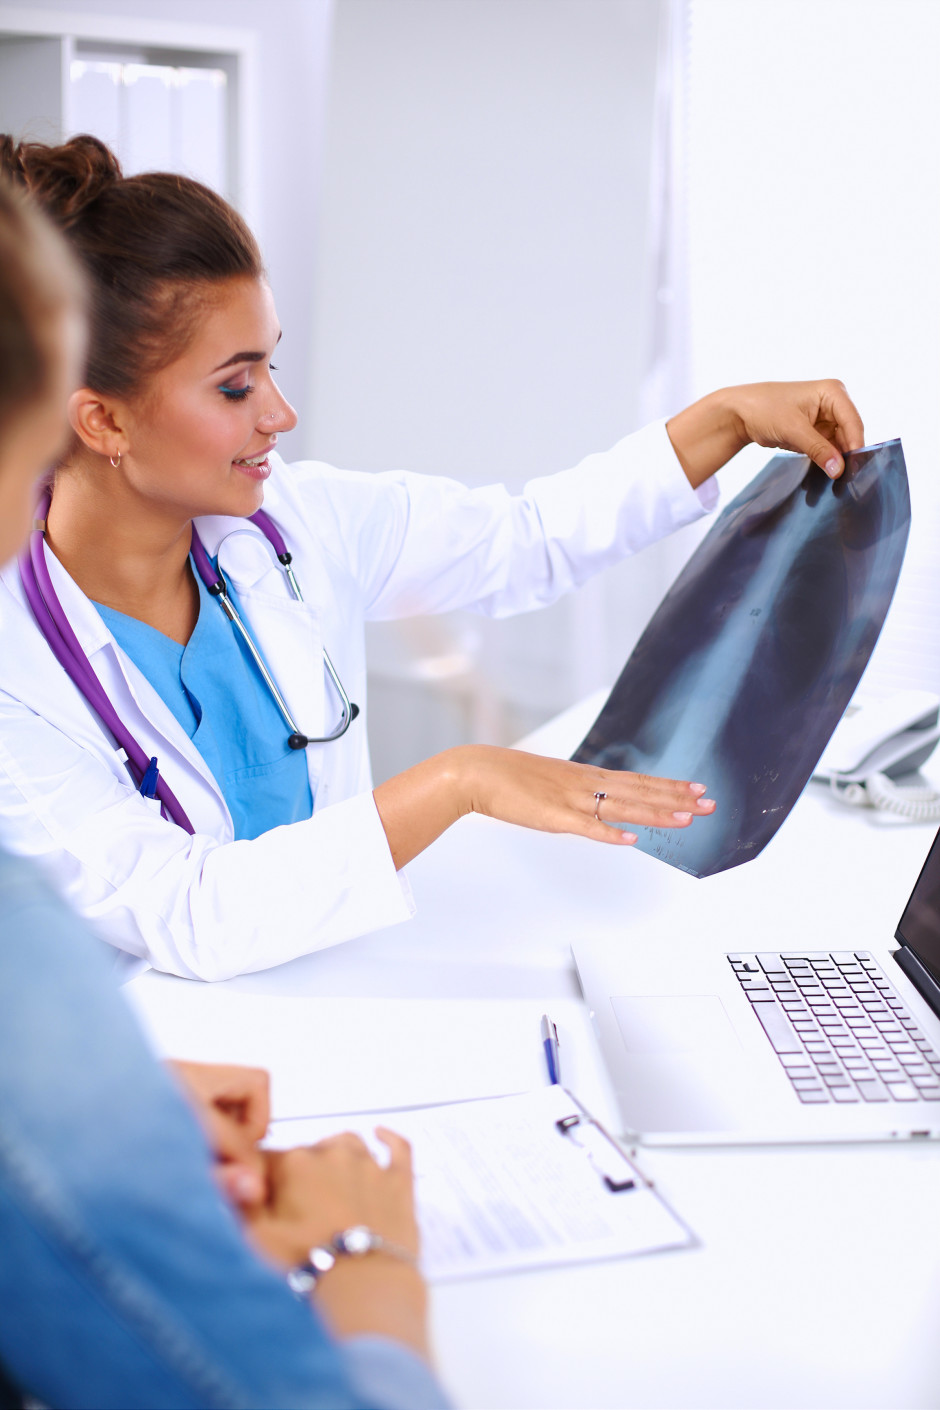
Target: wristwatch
(355, 1242)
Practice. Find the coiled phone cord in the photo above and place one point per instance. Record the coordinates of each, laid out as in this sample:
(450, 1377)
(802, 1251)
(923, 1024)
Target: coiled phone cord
(917, 802)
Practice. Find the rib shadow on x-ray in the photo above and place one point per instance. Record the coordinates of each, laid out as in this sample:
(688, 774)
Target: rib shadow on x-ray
(752, 657)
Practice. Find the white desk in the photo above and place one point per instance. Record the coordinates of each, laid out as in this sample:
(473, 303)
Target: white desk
(818, 1279)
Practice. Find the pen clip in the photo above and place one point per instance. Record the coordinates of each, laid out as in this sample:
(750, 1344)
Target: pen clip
(148, 784)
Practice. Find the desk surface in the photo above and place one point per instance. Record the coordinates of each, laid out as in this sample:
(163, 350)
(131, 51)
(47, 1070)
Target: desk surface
(817, 1282)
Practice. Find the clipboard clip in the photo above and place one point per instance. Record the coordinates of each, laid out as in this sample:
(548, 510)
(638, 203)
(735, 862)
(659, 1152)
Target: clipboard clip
(616, 1180)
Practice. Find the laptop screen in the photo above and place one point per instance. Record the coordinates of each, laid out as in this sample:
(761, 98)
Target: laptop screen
(919, 926)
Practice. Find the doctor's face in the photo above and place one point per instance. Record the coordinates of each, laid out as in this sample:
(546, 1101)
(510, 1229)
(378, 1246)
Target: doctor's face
(196, 440)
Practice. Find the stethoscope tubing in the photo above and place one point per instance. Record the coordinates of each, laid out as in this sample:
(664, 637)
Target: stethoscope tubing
(215, 582)
(55, 627)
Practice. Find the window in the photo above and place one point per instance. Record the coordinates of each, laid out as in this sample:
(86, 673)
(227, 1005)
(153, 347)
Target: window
(155, 117)
(164, 96)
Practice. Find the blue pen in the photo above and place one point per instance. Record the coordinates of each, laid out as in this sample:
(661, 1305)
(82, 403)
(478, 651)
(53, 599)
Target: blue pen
(550, 1044)
(148, 784)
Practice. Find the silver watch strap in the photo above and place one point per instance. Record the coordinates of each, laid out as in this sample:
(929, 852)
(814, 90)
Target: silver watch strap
(354, 1242)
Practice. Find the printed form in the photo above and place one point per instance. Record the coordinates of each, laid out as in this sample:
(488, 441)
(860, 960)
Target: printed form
(500, 1186)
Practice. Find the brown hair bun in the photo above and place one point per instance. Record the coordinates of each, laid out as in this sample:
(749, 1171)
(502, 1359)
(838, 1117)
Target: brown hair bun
(64, 180)
(156, 248)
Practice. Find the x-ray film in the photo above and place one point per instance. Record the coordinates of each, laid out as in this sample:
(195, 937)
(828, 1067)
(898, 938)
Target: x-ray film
(752, 657)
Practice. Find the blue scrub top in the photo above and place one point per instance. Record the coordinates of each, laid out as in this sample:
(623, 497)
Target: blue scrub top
(218, 696)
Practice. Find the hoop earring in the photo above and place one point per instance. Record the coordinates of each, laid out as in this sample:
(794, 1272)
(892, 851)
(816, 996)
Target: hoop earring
(115, 463)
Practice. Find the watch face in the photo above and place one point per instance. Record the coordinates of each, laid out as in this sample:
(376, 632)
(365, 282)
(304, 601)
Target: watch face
(355, 1240)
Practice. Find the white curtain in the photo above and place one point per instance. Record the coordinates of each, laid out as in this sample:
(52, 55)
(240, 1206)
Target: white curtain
(666, 385)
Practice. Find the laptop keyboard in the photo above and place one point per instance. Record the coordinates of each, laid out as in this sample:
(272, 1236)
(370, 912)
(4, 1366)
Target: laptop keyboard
(838, 1028)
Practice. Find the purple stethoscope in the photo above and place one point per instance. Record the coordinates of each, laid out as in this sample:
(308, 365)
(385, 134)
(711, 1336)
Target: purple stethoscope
(54, 625)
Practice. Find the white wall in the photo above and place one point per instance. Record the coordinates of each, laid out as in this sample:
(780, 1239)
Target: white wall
(815, 238)
(468, 275)
(293, 38)
(480, 293)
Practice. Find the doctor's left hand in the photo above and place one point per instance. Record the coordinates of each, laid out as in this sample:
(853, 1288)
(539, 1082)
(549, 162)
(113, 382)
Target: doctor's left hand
(234, 1106)
(530, 790)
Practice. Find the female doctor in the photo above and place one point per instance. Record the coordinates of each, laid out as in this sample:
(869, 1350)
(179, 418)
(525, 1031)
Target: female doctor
(181, 670)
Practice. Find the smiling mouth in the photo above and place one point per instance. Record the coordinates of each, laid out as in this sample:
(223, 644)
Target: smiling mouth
(257, 466)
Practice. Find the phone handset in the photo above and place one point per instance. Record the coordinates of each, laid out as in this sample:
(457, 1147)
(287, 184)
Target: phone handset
(873, 757)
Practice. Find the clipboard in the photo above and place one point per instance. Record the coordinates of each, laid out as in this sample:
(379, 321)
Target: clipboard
(512, 1183)
(612, 1164)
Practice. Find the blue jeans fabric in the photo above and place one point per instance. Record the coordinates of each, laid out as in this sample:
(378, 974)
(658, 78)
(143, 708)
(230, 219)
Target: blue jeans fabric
(125, 1280)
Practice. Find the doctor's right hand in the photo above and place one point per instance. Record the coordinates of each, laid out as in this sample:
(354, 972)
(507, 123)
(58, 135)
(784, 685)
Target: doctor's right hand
(550, 795)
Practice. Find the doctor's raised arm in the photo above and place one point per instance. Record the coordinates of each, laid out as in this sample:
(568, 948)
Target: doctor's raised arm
(182, 657)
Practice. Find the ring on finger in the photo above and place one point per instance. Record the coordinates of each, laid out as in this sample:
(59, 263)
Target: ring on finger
(598, 800)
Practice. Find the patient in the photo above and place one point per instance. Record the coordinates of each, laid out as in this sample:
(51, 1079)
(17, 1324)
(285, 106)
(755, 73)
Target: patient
(126, 1277)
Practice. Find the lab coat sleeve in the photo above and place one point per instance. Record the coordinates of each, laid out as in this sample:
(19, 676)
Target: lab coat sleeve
(190, 906)
(423, 543)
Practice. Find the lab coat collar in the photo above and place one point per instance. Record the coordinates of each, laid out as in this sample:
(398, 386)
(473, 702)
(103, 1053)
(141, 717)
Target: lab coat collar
(246, 555)
(80, 611)
(97, 641)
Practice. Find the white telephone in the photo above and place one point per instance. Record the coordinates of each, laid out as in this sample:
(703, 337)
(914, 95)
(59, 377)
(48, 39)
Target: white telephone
(877, 743)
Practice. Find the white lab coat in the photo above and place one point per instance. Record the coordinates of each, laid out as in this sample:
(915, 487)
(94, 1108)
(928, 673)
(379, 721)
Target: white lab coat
(365, 546)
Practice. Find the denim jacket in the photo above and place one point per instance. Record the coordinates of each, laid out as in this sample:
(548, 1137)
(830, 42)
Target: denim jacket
(125, 1279)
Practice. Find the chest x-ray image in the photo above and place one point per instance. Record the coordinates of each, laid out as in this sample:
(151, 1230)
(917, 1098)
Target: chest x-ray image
(752, 657)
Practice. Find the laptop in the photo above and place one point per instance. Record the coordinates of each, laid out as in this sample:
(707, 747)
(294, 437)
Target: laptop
(778, 1043)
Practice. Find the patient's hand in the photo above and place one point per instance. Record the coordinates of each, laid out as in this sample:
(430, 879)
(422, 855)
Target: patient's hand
(234, 1106)
(315, 1192)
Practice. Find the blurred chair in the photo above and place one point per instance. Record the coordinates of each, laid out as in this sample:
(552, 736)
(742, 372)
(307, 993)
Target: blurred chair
(428, 691)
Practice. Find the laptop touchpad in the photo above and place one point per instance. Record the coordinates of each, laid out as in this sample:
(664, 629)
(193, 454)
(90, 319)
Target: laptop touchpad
(673, 1024)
